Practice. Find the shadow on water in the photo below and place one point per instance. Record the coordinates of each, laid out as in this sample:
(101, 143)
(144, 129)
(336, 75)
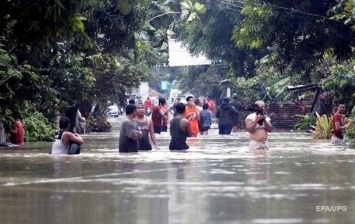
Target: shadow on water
(218, 180)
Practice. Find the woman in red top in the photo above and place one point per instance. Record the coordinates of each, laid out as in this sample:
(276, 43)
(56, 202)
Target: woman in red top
(17, 133)
(193, 115)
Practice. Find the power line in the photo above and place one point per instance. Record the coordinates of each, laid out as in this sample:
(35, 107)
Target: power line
(235, 2)
(227, 5)
(234, 5)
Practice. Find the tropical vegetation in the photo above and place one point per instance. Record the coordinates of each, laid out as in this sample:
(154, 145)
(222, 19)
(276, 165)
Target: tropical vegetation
(305, 122)
(323, 127)
(56, 53)
(350, 136)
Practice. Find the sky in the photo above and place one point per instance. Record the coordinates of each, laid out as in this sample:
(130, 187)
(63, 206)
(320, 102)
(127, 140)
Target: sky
(179, 56)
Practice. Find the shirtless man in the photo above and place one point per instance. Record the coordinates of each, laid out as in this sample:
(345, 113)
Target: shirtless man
(258, 130)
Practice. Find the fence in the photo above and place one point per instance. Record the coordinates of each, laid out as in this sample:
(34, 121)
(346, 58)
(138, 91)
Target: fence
(284, 116)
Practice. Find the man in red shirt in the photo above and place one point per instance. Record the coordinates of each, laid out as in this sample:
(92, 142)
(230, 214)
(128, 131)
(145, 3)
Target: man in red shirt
(148, 104)
(339, 125)
(160, 116)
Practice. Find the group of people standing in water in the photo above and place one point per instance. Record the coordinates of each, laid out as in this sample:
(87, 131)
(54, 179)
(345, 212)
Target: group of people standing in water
(189, 120)
(138, 131)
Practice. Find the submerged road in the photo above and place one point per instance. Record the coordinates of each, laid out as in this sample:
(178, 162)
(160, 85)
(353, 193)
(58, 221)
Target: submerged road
(218, 180)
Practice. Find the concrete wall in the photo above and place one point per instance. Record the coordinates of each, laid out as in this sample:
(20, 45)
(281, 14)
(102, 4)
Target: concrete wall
(2, 134)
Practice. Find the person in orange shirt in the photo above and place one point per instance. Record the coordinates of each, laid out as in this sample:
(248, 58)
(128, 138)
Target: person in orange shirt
(192, 115)
(211, 104)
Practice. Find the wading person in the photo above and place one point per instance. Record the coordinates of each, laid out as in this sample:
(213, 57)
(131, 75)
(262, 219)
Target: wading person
(145, 125)
(77, 121)
(179, 129)
(211, 104)
(339, 125)
(238, 107)
(192, 114)
(148, 106)
(205, 119)
(17, 133)
(258, 126)
(225, 114)
(159, 116)
(198, 105)
(129, 133)
(66, 142)
(71, 113)
(174, 106)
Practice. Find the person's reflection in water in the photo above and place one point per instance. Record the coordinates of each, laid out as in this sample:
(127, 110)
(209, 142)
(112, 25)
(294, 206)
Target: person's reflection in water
(178, 174)
(258, 178)
(60, 200)
(259, 167)
(138, 201)
(193, 142)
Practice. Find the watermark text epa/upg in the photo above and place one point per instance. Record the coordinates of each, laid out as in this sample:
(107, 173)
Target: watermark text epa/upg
(331, 208)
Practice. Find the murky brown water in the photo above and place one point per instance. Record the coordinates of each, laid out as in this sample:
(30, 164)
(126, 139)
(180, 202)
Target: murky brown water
(218, 180)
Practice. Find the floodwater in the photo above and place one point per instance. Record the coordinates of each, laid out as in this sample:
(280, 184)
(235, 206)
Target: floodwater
(218, 180)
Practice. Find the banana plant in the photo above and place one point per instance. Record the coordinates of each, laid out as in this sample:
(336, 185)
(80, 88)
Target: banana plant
(323, 127)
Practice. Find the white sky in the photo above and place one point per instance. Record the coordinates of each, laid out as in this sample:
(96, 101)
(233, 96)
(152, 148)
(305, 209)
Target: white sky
(179, 56)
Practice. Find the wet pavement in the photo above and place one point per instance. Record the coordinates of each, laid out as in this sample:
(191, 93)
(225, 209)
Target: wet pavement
(218, 180)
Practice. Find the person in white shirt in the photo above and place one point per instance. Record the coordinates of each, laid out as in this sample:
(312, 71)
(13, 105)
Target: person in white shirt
(258, 126)
(66, 142)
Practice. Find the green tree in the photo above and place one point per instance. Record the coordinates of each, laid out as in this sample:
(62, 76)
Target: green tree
(340, 83)
(299, 33)
(203, 80)
(212, 35)
(344, 11)
(77, 51)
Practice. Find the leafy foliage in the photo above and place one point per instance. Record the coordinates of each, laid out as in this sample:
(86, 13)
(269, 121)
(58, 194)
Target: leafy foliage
(299, 33)
(344, 11)
(37, 128)
(323, 127)
(99, 124)
(340, 82)
(202, 80)
(350, 135)
(211, 35)
(305, 122)
(64, 52)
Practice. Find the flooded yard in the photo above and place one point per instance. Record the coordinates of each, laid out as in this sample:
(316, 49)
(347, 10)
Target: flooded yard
(218, 180)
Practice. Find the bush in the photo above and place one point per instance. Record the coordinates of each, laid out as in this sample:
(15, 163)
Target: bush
(305, 122)
(37, 128)
(99, 124)
(350, 135)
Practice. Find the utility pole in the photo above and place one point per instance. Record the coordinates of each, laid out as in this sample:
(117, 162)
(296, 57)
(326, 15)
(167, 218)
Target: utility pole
(227, 83)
